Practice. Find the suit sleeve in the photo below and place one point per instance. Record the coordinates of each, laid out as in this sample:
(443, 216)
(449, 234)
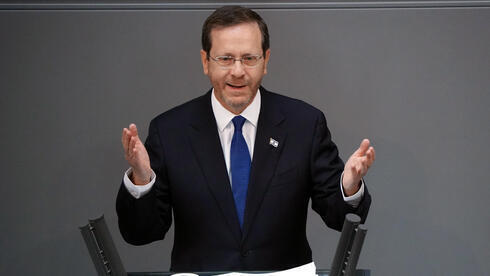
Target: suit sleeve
(326, 170)
(148, 218)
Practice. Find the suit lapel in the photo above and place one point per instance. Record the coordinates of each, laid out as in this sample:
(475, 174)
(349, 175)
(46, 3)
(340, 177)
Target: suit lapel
(206, 145)
(265, 157)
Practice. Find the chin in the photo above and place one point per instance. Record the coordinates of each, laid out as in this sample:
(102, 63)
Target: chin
(238, 103)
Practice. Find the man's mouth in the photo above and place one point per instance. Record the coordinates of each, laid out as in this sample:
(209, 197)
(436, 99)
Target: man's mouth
(235, 85)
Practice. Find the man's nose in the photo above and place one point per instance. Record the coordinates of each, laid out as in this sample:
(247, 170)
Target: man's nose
(237, 69)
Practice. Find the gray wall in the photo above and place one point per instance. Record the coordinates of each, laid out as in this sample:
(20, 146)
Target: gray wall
(412, 78)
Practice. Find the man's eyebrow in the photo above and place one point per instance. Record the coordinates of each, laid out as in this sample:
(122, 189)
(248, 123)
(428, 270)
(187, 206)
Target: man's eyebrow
(232, 55)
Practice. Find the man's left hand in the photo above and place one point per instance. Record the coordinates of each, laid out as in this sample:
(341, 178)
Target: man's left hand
(357, 166)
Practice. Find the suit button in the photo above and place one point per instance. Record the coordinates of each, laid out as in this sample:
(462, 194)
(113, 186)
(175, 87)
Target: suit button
(246, 253)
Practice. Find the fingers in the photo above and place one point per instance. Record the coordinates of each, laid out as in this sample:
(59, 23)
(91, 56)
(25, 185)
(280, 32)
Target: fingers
(361, 165)
(129, 138)
(131, 148)
(362, 159)
(371, 153)
(369, 158)
(133, 129)
(125, 139)
(363, 148)
(358, 164)
(359, 169)
(135, 147)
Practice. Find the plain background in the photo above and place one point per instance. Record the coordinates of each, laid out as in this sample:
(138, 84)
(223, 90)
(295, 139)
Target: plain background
(415, 80)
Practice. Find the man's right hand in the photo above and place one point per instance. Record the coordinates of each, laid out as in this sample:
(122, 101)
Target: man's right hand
(136, 155)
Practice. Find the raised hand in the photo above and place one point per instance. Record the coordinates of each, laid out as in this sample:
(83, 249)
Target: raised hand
(136, 155)
(357, 166)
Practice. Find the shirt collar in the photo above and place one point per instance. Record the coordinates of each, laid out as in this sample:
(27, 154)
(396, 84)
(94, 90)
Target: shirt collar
(223, 116)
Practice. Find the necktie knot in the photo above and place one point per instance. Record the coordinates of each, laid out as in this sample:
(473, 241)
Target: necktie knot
(238, 122)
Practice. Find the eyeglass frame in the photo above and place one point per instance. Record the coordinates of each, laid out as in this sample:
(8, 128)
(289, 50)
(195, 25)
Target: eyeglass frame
(217, 59)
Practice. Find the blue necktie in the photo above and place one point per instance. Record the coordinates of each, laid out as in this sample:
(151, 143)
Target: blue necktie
(240, 167)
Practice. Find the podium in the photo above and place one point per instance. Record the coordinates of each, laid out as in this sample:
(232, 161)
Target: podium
(319, 272)
(107, 261)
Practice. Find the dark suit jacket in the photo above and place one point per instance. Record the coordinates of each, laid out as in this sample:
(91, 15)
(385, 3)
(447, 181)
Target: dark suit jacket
(192, 182)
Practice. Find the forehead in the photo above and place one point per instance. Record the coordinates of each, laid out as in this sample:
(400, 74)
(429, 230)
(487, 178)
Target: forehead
(243, 38)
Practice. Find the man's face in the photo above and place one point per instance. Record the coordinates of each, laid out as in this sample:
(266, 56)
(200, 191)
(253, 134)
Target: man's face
(235, 87)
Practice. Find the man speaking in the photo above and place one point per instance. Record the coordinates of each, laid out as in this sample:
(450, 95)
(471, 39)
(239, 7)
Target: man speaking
(238, 165)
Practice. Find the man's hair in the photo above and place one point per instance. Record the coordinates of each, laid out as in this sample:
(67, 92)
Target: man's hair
(230, 16)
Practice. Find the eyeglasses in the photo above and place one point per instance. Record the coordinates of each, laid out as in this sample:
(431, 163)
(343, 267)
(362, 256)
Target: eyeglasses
(228, 61)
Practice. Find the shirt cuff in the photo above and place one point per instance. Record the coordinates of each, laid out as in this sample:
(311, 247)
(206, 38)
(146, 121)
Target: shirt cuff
(138, 191)
(354, 199)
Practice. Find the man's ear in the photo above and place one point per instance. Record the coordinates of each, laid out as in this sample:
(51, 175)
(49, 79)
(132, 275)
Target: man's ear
(266, 60)
(205, 62)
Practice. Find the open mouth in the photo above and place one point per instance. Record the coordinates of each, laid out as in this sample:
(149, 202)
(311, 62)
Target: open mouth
(235, 86)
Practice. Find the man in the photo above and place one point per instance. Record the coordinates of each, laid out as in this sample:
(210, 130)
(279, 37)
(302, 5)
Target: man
(238, 165)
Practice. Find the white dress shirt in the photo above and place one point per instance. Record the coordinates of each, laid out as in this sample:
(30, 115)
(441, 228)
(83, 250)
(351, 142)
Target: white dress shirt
(225, 129)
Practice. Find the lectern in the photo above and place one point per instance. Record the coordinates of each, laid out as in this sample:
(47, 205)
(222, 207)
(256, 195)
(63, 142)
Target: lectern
(107, 261)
